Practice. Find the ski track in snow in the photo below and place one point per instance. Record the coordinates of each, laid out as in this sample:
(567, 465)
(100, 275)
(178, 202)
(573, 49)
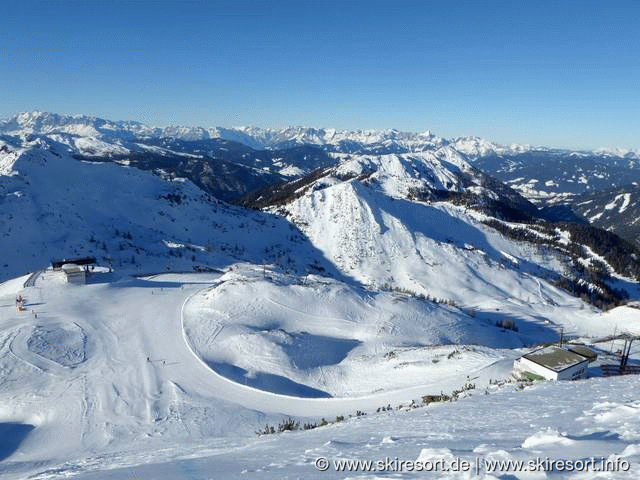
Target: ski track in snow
(138, 350)
(141, 377)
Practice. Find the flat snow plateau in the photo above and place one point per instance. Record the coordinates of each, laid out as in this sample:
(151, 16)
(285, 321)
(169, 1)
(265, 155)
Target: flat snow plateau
(170, 376)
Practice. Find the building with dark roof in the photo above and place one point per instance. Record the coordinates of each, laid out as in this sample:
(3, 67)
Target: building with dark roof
(584, 351)
(552, 363)
(81, 261)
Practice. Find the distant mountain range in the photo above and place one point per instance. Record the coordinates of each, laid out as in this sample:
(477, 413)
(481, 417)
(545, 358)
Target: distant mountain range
(388, 209)
(119, 133)
(262, 155)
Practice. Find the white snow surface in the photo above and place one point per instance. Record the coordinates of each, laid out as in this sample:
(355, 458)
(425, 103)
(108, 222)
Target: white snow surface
(319, 338)
(358, 299)
(626, 199)
(8, 157)
(436, 250)
(53, 206)
(136, 388)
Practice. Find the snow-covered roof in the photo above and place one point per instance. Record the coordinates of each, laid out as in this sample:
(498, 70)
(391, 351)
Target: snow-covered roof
(73, 261)
(583, 351)
(71, 268)
(554, 358)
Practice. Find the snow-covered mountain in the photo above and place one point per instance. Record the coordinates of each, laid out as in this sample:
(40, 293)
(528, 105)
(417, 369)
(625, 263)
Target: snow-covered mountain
(44, 123)
(345, 141)
(552, 177)
(54, 206)
(541, 174)
(614, 209)
(388, 275)
(225, 169)
(538, 172)
(598, 187)
(43, 155)
(406, 221)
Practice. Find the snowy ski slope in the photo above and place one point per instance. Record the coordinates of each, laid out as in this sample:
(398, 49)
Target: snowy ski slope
(349, 297)
(135, 383)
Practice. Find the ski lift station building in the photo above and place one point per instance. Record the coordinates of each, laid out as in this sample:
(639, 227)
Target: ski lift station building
(553, 363)
(75, 269)
(74, 273)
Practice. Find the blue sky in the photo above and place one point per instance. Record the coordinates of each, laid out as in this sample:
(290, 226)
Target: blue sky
(547, 72)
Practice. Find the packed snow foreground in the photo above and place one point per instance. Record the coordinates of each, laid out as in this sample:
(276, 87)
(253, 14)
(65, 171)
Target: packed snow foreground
(173, 374)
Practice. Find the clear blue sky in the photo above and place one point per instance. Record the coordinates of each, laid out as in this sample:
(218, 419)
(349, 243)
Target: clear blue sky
(559, 73)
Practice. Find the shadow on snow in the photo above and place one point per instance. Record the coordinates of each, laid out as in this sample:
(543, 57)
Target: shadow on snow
(266, 381)
(11, 436)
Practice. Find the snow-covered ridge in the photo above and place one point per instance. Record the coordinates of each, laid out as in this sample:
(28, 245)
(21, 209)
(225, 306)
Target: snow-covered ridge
(381, 141)
(56, 206)
(399, 174)
(8, 157)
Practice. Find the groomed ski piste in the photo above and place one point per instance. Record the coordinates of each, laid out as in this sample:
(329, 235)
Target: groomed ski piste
(359, 301)
(171, 375)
